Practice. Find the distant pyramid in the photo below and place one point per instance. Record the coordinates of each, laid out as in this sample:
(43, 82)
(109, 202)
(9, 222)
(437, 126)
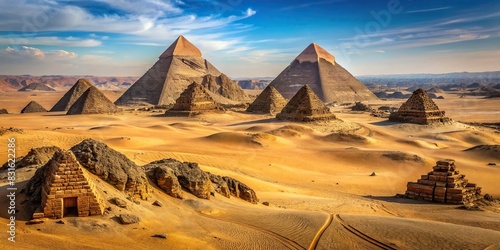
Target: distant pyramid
(317, 68)
(72, 95)
(92, 101)
(177, 67)
(269, 101)
(419, 109)
(194, 99)
(33, 107)
(36, 86)
(4, 112)
(305, 106)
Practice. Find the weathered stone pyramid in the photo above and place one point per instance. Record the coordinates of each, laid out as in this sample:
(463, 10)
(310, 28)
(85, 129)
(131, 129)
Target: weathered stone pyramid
(444, 184)
(305, 106)
(4, 112)
(92, 101)
(179, 66)
(72, 95)
(419, 109)
(269, 101)
(33, 107)
(193, 100)
(68, 189)
(317, 68)
(36, 86)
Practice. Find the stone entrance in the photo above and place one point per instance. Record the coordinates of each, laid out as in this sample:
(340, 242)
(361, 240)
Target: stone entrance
(70, 206)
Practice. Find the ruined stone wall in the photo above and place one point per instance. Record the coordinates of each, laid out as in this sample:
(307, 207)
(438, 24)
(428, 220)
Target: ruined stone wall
(445, 185)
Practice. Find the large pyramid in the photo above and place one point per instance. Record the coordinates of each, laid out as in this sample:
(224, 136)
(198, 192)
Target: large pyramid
(317, 68)
(92, 101)
(305, 106)
(72, 95)
(419, 109)
(179, 66)
(33, 107)
(269, 101)
(194, 99)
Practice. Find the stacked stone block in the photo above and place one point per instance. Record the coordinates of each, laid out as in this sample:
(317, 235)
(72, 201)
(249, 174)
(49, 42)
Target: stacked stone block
(66, 178)
(419, 109)
(444, 184)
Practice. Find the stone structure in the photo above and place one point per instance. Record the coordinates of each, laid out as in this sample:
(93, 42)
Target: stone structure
(305, 106)
(72, 95)
(36, 86)
(419, 109)
(318, 69)
(68, 189)
(194, 99)
(270, 101)
(92, 101)
(179, 66)
(445, 185)
(4, 112)
(33, 107)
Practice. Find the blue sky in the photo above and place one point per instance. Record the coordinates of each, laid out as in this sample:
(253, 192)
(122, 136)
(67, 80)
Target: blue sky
(249, 38)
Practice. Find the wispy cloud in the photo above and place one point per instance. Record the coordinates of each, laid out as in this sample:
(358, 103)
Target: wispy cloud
(309, 4)
(428, 10)
(50, 41)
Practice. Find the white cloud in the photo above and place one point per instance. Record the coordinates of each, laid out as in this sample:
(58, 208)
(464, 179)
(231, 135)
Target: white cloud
(25, 53)
(50, 41)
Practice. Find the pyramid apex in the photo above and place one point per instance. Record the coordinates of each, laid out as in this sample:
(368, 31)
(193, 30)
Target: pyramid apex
(313, 52)
(181, 47)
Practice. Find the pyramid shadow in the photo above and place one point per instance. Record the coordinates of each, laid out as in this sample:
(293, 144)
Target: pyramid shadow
(383, 123)
(54, 115)
(393, 199)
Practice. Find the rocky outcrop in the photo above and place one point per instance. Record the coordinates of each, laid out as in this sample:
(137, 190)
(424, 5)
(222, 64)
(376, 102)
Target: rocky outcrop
(36, 157)
(4, 112)
(113, 167)
(189, 175)
(241, 190)
(359, 106)
(167, 181)
(220, 185)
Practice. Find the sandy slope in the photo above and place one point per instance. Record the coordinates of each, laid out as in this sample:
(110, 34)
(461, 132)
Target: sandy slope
(308, 174)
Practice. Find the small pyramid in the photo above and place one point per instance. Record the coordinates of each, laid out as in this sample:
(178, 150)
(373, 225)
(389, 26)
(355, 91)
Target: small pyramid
(72, 95)
(181, 47)
(33, 107)
(92, 101)
(4, 112)
(194, 99)
(179, 66)
(36, 86)
(444, 184)
(419, 109)
(68, 189)
(269, 101)
(305, 106)
(318, 69)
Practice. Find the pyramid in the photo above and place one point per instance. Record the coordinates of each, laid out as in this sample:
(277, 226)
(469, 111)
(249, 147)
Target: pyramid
(269, 101)
(92, 101)
(419, 109)
(3, 111)
(318, 69)
(177, 67)
(68, 189)
(193, 100)
(72, 95)
(444, 184)
(36, 86)
(33, 107)
(305, 106)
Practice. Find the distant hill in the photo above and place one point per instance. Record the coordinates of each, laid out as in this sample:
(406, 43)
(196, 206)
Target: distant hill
(60, 82)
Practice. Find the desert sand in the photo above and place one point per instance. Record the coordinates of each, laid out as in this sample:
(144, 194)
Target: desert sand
(315, 178)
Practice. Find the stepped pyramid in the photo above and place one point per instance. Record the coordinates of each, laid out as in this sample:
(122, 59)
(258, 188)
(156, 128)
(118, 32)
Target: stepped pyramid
(444, 184)
(419, 109)
(193, 100)
(317, 68)
(269, 101)
(72, 95)
(33, 107)
(305, 106)
(177, 67)
(92, 101)
(68, 189)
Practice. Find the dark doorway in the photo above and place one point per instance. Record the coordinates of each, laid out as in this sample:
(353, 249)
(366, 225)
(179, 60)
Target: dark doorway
(70, 206)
